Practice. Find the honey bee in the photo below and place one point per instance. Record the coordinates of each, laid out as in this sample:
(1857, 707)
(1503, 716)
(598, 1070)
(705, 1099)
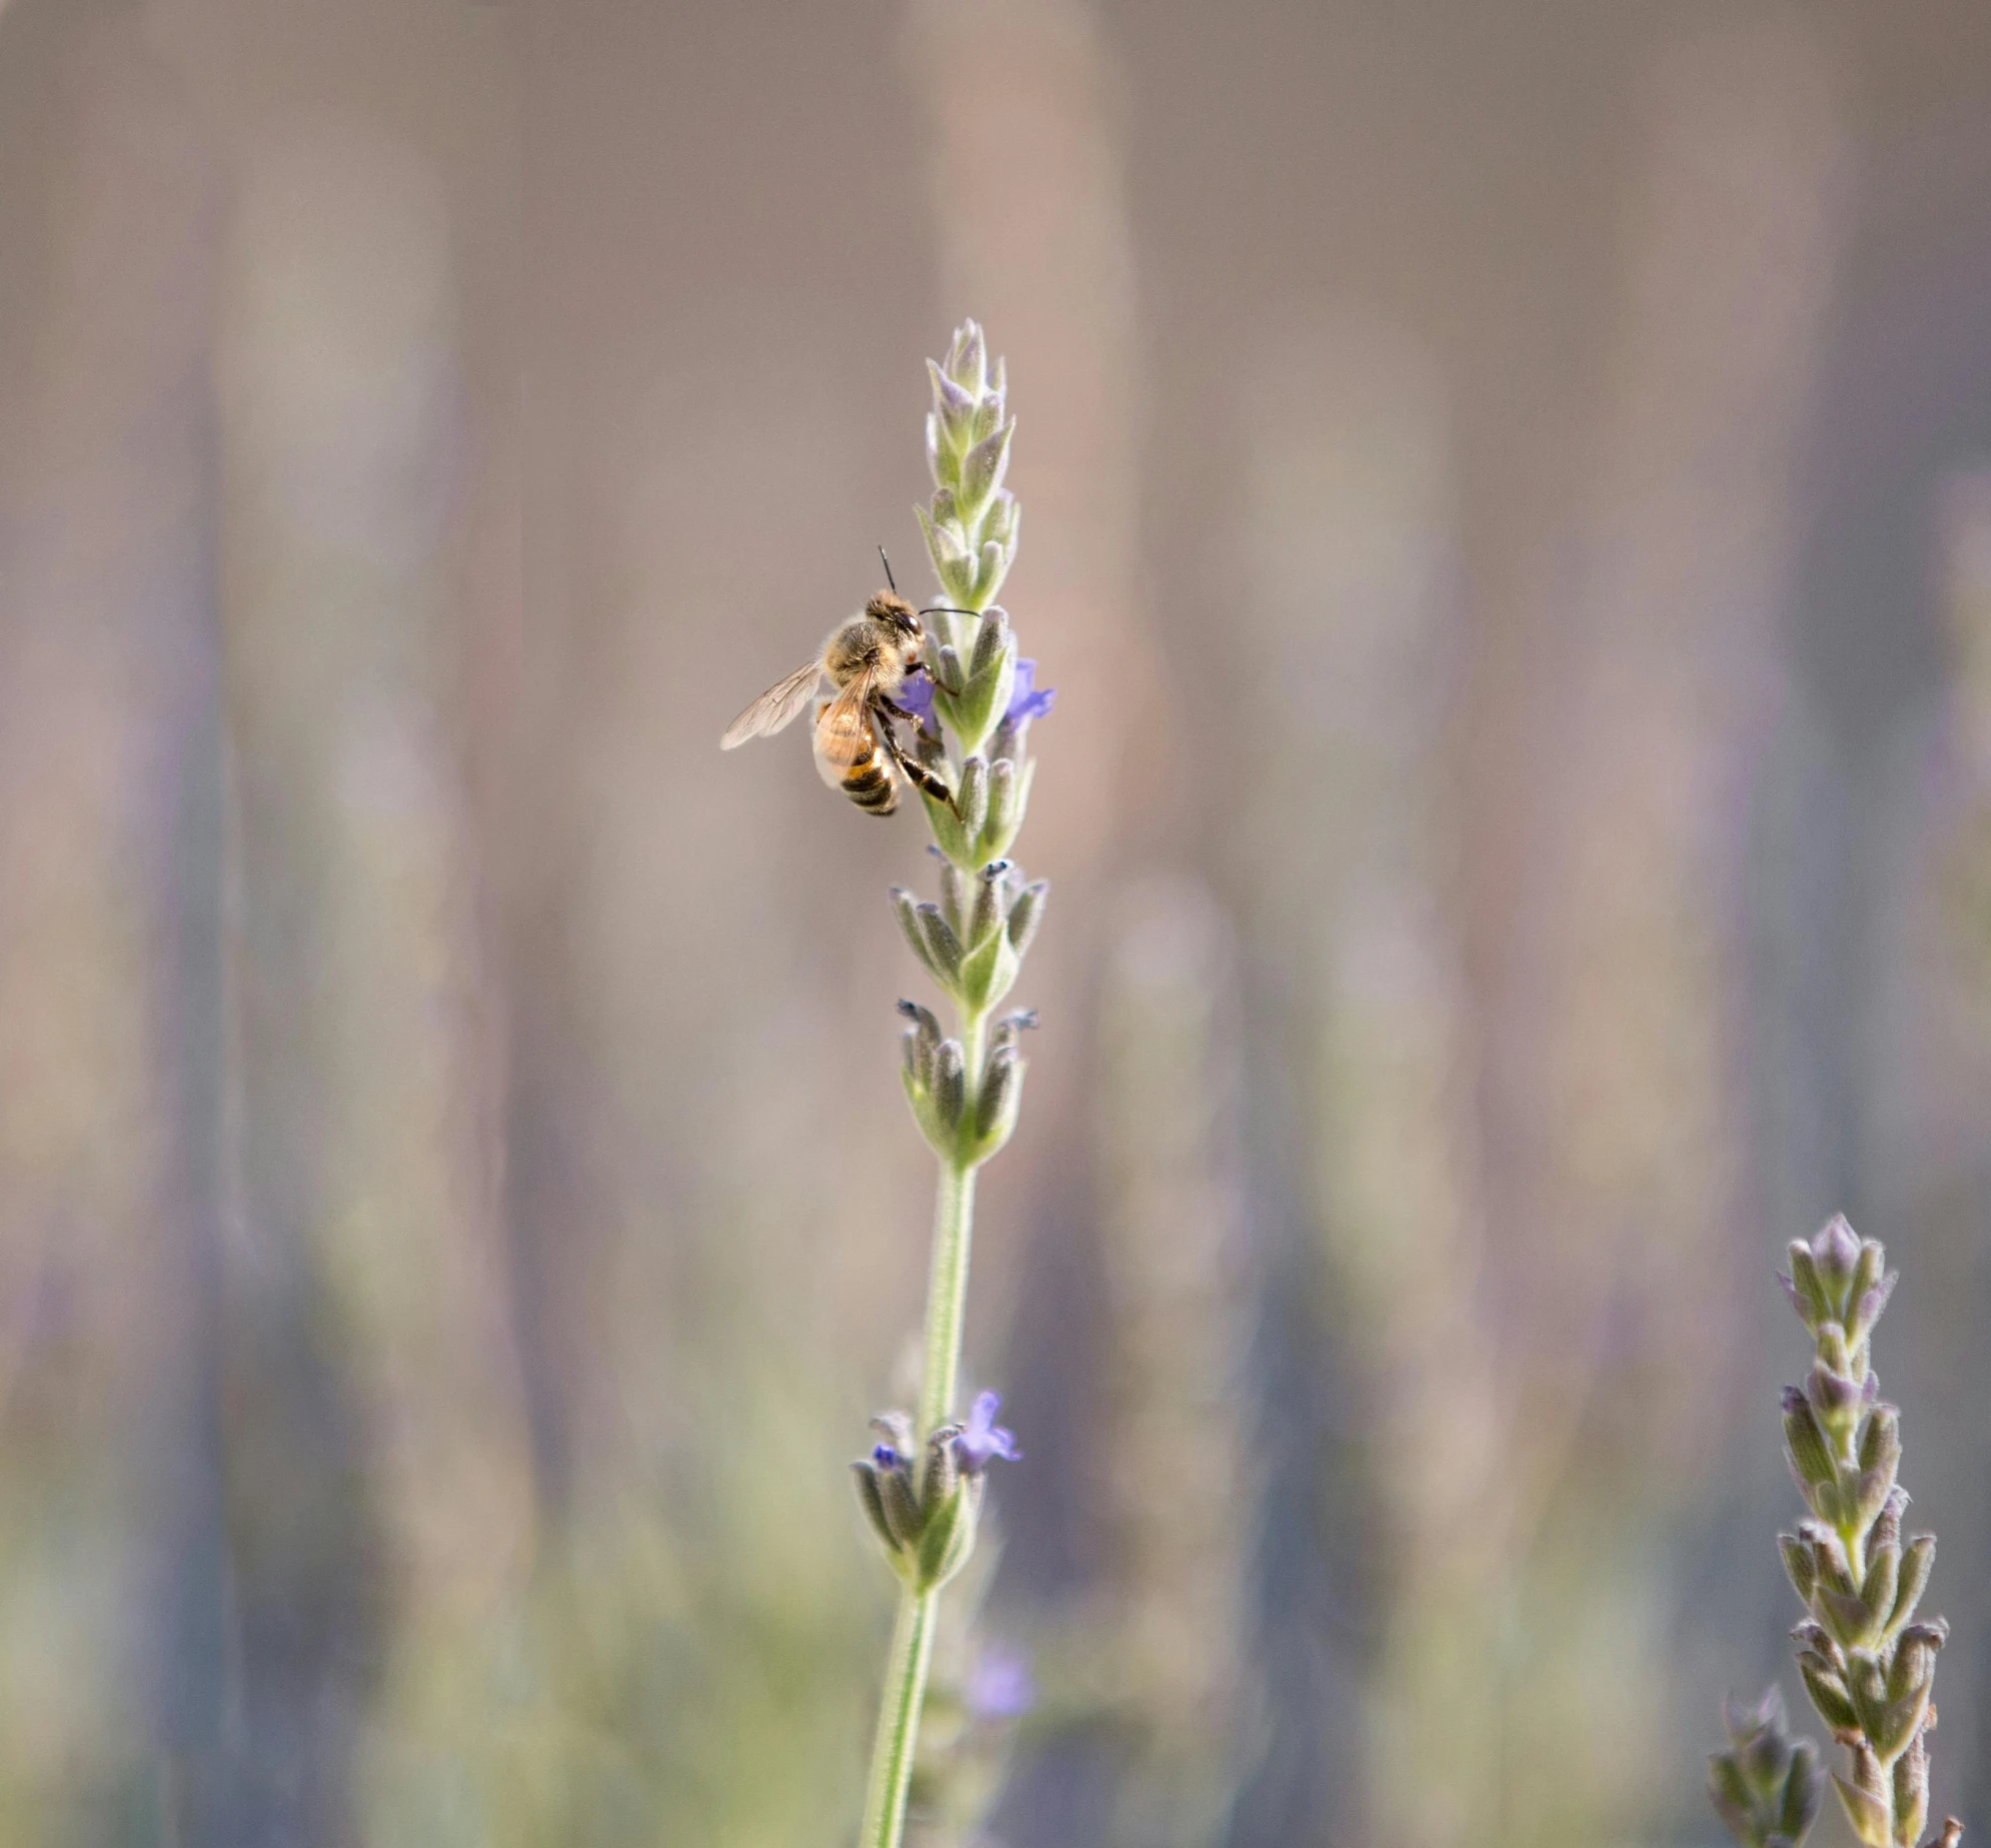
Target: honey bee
(866, 661)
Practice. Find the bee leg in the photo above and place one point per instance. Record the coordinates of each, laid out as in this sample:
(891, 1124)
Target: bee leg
(914, 771)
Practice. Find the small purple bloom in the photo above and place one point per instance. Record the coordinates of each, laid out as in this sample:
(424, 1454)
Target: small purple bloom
(983, 1439)
(1000, 1686)
(885, 1457)
(915, 694)
(1026, 701)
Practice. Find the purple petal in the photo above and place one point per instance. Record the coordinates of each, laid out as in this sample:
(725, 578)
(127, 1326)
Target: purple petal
(1026, 701)
(983, 1439)
(915, 694)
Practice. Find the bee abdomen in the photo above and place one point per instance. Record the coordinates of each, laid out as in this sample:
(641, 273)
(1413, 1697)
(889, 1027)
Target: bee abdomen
(871, 785)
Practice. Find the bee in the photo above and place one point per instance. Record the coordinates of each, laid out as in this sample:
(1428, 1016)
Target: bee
(866, 661)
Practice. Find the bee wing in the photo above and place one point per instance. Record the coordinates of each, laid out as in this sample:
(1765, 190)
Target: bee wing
(773, 709)
(844, 727)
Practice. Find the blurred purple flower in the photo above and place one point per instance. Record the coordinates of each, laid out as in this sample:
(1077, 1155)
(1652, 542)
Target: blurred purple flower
(1000, 1686)
(1026, 701)
(915, 694)
(885, 1457)
(983, 1439)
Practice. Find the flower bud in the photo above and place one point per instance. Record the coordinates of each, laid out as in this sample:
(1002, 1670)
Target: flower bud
(943, 947)
(1868, 1306)
(1880, 1439)
(1866, 1272)
(1867, 1810)
(1911, 1794)
(1004, 815)
(907, 908)
(989, 896)
(949, 1085)
(1836, 1248)
(1027, 913)
(989, 972)
(952, 405)
(1888, 1528)
(992, 567)
(1915, 1658)
(1829, 1694)
(968, 357)
(1846, 1616)
(982, 468)
(1735, 1802)
(1804, 1288)
(990, 641)
(972, 800)
(997, 1105)
(1798, 1565)
(940, 1475)
(952, 906)
(1001, 519)
(1809, 1455)
(1811, 1637)
(1871, 1490)
(892, 1474)
(1918, 1560)
(987, 418)
(1804, 1790)
(949, 675)
(868, 1498)
(953, 562)
(921, 1040)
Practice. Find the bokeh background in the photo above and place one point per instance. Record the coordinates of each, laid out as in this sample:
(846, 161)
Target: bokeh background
(1508, 496)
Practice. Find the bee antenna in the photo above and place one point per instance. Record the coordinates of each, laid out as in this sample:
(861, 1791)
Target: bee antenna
(948, 609)
(889, 578)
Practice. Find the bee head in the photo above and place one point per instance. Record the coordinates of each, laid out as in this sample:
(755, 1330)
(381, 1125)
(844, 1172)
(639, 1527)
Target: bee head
(896, 615)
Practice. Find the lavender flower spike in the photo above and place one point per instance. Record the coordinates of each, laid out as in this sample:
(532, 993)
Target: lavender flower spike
(1867, 1663)
(972, 706)
(983, 1439)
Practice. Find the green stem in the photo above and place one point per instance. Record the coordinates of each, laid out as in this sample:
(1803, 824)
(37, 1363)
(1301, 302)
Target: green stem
(913, 1636)
(946, 1287)
(898, 1720)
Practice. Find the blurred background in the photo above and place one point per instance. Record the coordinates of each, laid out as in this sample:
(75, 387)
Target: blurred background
(1508, 500)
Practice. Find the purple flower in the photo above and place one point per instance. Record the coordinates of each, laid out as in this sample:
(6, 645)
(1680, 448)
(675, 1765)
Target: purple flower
(983, 1439)
(885, 1457)
(915, 694)
(1026, 701)
(1000, 1686)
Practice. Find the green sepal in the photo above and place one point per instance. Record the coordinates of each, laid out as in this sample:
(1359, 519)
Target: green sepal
(950, 1534)
(994, 1119)
(1918, 1560)
(988, 972)
(1868, 1814)
(1808, 1289)
(950, 837)
(1828, 1691)
(1803, 1791)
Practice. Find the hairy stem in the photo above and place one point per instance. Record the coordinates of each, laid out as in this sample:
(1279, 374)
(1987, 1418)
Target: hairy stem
(898, 1720)
(947, 1292)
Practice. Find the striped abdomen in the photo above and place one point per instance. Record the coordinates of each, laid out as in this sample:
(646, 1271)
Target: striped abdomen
(851, 758)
